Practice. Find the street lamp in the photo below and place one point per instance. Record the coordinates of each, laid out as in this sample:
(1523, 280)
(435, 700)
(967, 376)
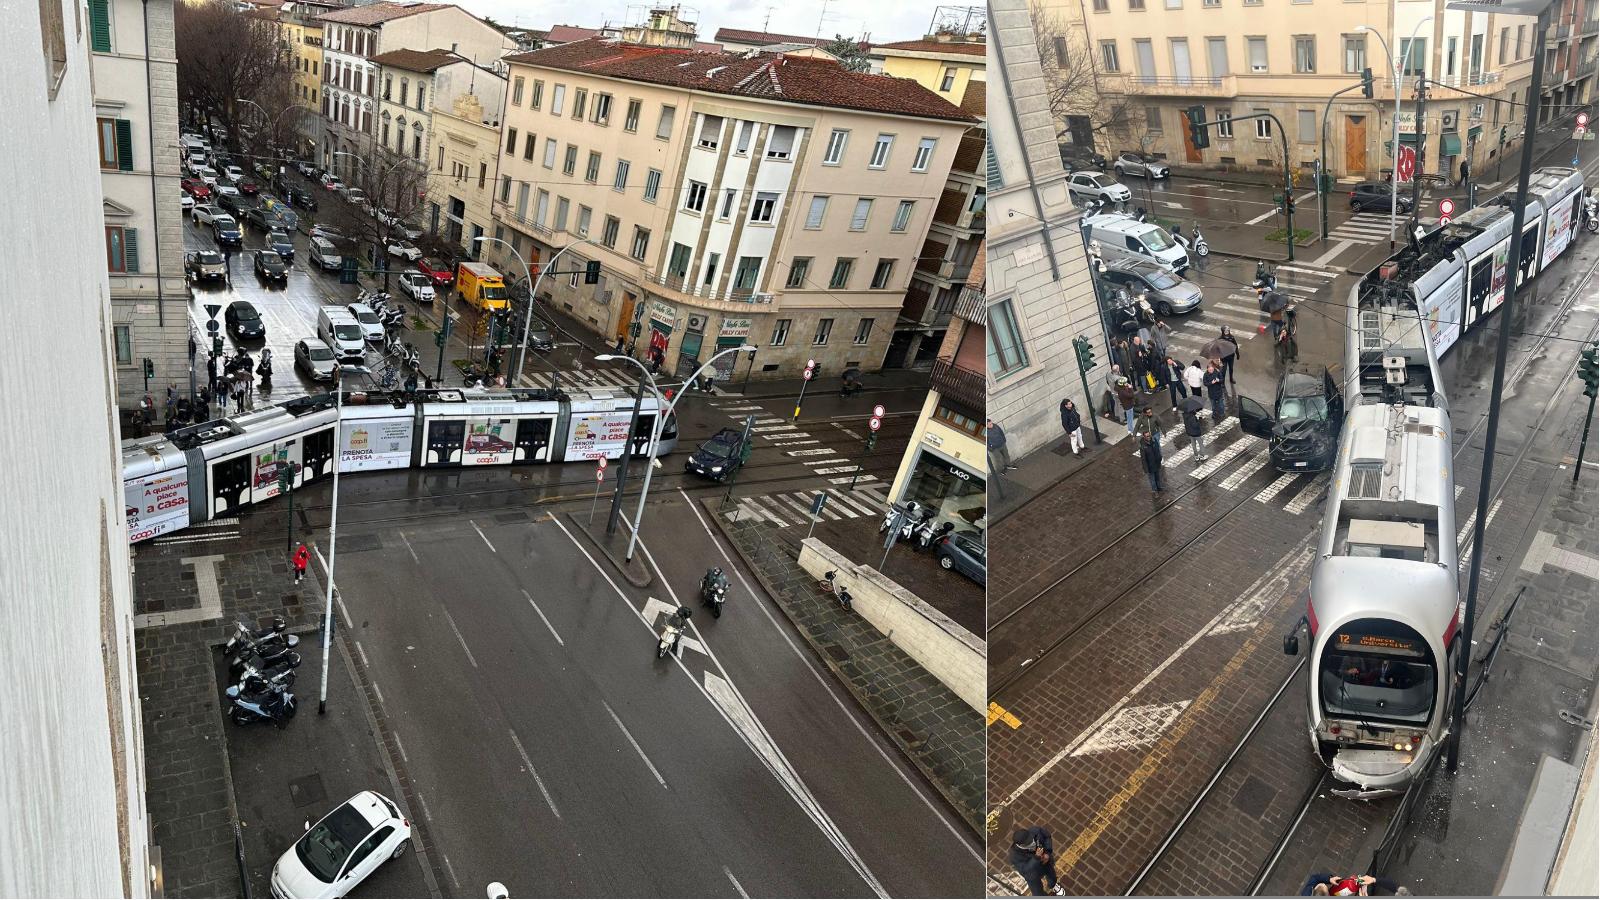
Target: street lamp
(1394, 143)
(333, 522)
(661, 416)
(533, 289)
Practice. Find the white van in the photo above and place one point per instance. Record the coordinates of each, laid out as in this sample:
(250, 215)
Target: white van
(1124, 237)
(324, 254)
(340, 330)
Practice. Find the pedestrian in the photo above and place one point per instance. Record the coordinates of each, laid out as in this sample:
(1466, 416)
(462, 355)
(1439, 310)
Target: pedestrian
(1217, 388)
(1072, 424)
(1466, 170)
(619, 344)
(1120, 352)
(1195, 429)
(1227, 361)
(1136, 356)
(301, 558)
(172, 397)
(211, 368)
(1192, 376)
(237, 392)
(1032, 854)
(1172, 370)
(1108, 400)
(1129, 402)
(1146, 426)
(1150, 458)
(996, 441)
(1160, 337)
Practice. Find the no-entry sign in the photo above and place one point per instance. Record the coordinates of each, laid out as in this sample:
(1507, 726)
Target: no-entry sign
(877, 411)
(875, 423)
(1447, 207)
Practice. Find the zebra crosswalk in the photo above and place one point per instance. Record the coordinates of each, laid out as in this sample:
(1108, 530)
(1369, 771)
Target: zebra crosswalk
(582, 379)
(1362, 228)
(800, 445)
(790, 508)
(1243, 456)
(1238, 310)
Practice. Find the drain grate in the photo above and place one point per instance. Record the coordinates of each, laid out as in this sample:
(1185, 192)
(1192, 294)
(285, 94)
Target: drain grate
(307, 791)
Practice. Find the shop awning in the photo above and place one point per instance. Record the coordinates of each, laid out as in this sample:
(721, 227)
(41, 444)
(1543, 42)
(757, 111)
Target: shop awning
(1474, 133)
(1450, 145)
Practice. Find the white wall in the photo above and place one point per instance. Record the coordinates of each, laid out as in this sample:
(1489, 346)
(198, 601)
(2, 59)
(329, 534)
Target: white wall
(71, 777)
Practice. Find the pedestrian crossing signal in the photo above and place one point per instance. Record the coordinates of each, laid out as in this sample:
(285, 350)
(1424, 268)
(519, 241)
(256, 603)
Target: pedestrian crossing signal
(1589, 370)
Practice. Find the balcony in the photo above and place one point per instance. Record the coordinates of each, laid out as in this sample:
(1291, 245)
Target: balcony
(1179, 85)
(1590, 27)
(1585, 68)
(1469, 79)
(962, 385)
(970, 306)
(681, 289)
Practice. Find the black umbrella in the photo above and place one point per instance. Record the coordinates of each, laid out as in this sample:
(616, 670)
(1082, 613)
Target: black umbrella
(1190, 404)
(1273, 301)
(851, 374)
(1219, 349)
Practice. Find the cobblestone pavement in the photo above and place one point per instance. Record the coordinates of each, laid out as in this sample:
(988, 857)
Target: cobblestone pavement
(941, 735)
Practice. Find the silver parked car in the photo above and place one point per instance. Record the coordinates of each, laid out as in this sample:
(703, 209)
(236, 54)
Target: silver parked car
(1130, 163)
(315, 359)
(1168, 293)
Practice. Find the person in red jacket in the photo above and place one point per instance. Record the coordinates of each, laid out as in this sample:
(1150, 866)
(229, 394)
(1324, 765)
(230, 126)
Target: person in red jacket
(302, 556)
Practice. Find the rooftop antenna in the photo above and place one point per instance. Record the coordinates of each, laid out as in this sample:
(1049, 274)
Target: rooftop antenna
(766, 23)
(820, 19)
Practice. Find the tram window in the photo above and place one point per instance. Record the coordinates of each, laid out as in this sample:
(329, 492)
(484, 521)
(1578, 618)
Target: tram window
(669, 428)
(1377, 687)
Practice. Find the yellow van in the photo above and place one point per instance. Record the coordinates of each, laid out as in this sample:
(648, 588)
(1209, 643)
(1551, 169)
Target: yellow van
(479, 284)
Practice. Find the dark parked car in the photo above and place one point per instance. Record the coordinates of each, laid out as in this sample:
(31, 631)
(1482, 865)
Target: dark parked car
(1077, 156)
(718, 457)
(243, 320)
(1167, 292)
(226, 230)
(1375, 195)
(279, 242)
(301, 198)
(205, 265)
(1302, 429)
(966, 552)
(236, 206)
(271, 266)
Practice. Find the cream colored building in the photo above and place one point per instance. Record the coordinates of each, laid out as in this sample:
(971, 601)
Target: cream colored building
(464, 130)
(306, 37)
(774, 200)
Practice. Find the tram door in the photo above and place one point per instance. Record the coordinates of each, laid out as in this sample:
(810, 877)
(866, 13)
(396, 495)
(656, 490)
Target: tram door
(533, 440)
(230, 479)
(1529, 259)
(641, 435)
(316, 455)
(444, 442)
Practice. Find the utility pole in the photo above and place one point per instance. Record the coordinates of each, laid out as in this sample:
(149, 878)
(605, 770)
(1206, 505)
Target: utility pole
(1422, 150)
(1324, 177)
(627, 454)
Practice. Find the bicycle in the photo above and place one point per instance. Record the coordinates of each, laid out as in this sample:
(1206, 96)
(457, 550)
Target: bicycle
(387, 378)
(827, 584)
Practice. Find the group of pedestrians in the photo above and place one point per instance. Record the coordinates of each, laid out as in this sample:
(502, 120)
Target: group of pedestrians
(1324, 884)
(235, 381)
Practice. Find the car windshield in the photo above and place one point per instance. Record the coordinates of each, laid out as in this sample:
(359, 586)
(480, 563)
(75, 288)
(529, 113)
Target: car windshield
(318, 353)
(225, 221)
(1296, 409)
(1102, 180)
(209, 258)
(1162, 280)
(724, 444)
(326, 846)
(346, 331)
(278, 237)
(1157, 240)
(246, 313)
(367, 317)
(494, 292)
(1371, 686)
(271, 258)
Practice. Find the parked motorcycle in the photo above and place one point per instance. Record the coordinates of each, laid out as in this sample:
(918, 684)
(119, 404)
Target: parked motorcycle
(1591, 214)
(266, 656)
(275, 705)
(243, 637)
(1201, 248)
(252, 679)
(928, 534)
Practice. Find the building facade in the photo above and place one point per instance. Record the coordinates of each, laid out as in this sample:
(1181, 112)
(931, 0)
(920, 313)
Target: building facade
(1039, 295)
(773, 200)
(300, 19)
(136, 125)
(405, 103)
(951, 66)
(72, 784)
(468, 102)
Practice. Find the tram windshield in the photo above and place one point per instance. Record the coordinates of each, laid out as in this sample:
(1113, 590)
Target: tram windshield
(1374, 670)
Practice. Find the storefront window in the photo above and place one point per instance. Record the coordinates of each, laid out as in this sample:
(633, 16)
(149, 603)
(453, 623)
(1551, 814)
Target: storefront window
(952, 490)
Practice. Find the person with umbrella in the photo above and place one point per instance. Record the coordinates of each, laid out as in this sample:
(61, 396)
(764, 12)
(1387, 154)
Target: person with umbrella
(1192, 426)
(1221, 350)
(1273, 304)
(1217, 390)
(1228, 358)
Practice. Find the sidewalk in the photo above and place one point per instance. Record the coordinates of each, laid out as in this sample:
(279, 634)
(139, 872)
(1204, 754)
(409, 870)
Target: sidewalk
(1047, 466)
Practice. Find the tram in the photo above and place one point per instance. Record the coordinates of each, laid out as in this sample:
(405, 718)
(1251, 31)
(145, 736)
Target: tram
(199, 473)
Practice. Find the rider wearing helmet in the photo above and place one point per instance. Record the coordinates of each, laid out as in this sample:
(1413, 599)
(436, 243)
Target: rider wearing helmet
(712, 580)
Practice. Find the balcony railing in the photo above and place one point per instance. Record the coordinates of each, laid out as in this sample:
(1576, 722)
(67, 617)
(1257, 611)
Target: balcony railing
(969, 305)
(1585, 68)
(957, 383)
(1180, 85)
(685, 287)
(1469, 79)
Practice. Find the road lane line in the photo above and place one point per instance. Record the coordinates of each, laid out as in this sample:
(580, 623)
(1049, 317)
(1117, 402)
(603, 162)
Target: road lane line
(736, 885)
(450, 869)
(536, 779)
(402, 748)
(1263, 217)
(636, 748)
(546, 621)
(361, 652)
(409, 547)
(1338, 248)
(482, 535)
(379, 694)
(451, 619)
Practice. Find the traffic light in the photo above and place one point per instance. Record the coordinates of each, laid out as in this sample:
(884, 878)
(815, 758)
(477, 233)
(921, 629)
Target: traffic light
(216, 345)
(591, 272)
(872, 440)
(1366, 83)
(149, 368)
(1589, 371)
(1085, 353)
(1197, 129)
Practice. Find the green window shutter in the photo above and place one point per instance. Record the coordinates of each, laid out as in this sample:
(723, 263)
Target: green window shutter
(124, 145)
(130, 249)
(100, 25)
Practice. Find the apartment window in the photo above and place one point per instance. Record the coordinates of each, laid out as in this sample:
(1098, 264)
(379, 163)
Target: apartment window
(405, 90)
(1006, 353)
(880, 151)
(569, 164)
(541, 208)
(1517, 52)
(835, 151)
(1136, 5)
(563, 207)
(522, 200)
(1355, 53)
(1108, 56)
(516, 91)
(483, 174)
(678, 261)
(620, 182)
(1415, 55)
(580, 101)
(585, 216)
(664, 124)
(824, 328)
(551, 147)
(780, 332)
(591, 172)
(511, 141)
(388, 87)
(841, 272)
(1144, 60)
(1059, 45)
(741, 144)
(797, 272)
(1211, 4)
(880, 275)
(713, 261)
(728, 195)
(505, 188)
(422, 96)
(558, 99)
(1174, 4)
(948, 82)
(1224, 123)
(1505, 35)
(694, 199)
(780, 143)
(99, 30)
(902, 215)
(1305, 54)
(641, 243)
(124, 333)
(1217, 55)
(746, 272)
(538, 94)
(1258, 53)
(764, 207)
(1308, 125)
(122, 249)
(863, 331)
(858, 219)
(630, 120)
(116, 144)
(529, 142)
(814, 215)
(924, 154)
(1263, 126)
(608, 232)
(710, 132)
(1101, 6)
(1152, 118)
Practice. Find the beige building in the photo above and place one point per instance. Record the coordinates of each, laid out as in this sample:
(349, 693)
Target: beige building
(464, 130)
(305, 35)
(405, 102)
(774, 200)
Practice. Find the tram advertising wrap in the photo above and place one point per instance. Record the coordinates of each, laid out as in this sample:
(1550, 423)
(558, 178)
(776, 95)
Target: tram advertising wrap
(489, 442)
(368, 444)
(264, 468)
(594, 435)
(156, 504)
(1558, 226)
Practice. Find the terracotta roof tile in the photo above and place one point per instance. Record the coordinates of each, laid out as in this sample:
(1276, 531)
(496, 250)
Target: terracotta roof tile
(973, 102)
(962, 48)
(265, 15)
(813, 82)
(975, 276)
(740, 36)
(566, 34)
(378, 13)
(416, 60)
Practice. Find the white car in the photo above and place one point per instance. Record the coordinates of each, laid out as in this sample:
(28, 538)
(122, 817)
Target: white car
(185, 201)
(207, 174)
(354, 194)
(405, 250)
(418, 285)
(306, 168)
(1096, 186)
(371, 325)
(234, 173)
(224, 189)
(189, 141)
(194, 162)
(342, 849)
(203, 213)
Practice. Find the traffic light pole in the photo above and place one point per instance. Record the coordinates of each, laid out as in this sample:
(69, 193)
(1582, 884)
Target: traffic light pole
(1577, 464)
(1422, 152)
(1201, 140)
(1590, 375)
(1094, 420)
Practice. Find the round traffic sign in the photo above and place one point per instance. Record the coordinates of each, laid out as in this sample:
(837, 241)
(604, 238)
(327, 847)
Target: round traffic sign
(213, 326)
(600, 475)
(1447, 206)
(808, 374)
(875, 423)
(811, 364)
(602, 462)
(1444, 220)
(1583, 119)
(877, 411)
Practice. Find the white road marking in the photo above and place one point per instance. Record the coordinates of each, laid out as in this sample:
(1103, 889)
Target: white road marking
(482, 535)
(536, 779)
(362, 652)
(1285, 267)
(844, 499)
(206, 586)
(404, 540)
(744, 408)
(736, 885)
(763, 429)
(1167, 437)
(1276, 487)
(800, 509)
(1308, 495)
(1132, 727)
(1256, 463)
(636, 748)
(810, 497)
(451, 619)
(834, 470)
(795, 443)
(221, 536)
(378, 693)
(1220, 458)
(1263, 217)
(816, 451)
(1255, 601)
(852, 479)
(1338, 248)
(546, 620)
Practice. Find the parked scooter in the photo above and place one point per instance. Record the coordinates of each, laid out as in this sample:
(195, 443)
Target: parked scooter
(928, 534)
(266, 656)
(911, 510)
(242, 638)
(908, 528)
(275, 705)
(252, 679)
(672, 632)
(1591, 213)
(1201, 248)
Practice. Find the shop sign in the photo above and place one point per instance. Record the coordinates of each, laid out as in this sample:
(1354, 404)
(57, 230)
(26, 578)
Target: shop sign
(960, 473)
(928, 437)
(663, 313)
(734, 328)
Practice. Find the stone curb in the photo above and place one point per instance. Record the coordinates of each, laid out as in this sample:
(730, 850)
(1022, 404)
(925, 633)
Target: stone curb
(636, 572)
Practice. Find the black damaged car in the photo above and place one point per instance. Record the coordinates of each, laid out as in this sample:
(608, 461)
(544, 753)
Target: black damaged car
(720, 456)
(1302, 429)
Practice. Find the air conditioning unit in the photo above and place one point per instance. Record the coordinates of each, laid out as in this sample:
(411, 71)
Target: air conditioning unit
(1449, 119)
(697, 323)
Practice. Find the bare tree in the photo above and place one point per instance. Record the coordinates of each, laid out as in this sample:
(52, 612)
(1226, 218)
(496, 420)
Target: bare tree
(394, 194)
(1072, 82)
(225, 55)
